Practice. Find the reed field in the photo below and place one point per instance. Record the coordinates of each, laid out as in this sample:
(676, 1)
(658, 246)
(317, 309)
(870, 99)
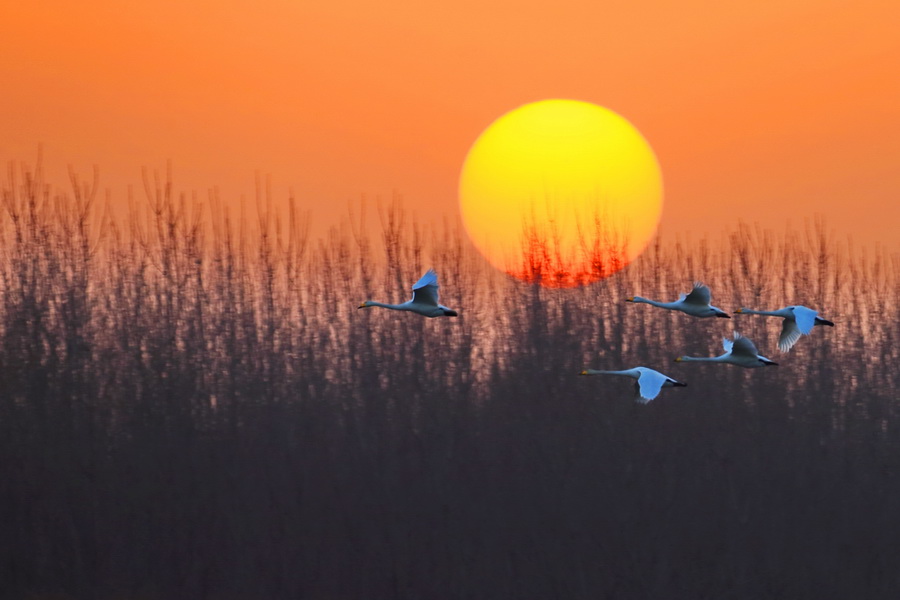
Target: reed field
(192, 406)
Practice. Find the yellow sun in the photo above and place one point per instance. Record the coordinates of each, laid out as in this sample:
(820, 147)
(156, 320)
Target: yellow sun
(560, 192)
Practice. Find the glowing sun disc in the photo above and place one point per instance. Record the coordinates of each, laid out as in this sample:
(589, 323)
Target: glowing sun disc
(561, 192)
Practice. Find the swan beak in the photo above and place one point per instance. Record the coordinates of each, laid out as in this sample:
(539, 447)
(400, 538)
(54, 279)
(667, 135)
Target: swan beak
(583, 373)
(739, 311)
(678, 359)
(363, 305)
(629, 299)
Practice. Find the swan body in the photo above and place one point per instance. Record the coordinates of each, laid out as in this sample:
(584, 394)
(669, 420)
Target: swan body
(424, 300)
(696, 303)
(798, 320)
(648, 384)
(741, 352)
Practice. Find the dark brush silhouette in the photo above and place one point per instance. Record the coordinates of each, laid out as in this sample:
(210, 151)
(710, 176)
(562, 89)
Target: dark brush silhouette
(192, 408)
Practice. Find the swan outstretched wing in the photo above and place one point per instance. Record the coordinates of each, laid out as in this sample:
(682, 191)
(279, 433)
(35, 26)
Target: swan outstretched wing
(699, 295)
(649, 384)
(743, 347)
(790, 333)
(425, 291)
(805, 317)
(727, 344)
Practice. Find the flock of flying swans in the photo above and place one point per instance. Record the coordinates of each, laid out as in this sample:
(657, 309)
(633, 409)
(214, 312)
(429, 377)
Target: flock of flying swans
(740, 351)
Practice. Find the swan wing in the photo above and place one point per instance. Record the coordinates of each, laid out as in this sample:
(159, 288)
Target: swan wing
(649, 384)
(805, 317)
(425, 291)
(699, 295)
(743, 347)
(727, 344)
(789, 335)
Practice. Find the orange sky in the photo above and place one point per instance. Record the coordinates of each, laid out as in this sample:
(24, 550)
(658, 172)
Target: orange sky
(764, 111)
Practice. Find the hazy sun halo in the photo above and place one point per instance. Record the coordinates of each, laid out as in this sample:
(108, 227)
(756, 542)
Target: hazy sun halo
(562, 192)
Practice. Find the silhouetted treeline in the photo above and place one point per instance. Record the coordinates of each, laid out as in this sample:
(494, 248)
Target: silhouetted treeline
(191, 406)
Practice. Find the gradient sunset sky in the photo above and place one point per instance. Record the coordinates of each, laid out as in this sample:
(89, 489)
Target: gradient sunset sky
(760, 111)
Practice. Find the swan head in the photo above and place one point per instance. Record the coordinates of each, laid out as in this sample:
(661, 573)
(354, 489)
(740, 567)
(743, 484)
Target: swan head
(679, 359)
(631, 299)
(739, 311)
(584, 373)
(365, 304)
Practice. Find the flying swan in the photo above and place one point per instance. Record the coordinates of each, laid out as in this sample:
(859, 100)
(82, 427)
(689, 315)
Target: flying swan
(741, 352)
(696, 303)
(798, 320)
(649, 382)
(424, 300)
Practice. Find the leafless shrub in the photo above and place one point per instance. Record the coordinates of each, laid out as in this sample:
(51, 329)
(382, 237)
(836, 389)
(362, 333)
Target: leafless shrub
(192, 406)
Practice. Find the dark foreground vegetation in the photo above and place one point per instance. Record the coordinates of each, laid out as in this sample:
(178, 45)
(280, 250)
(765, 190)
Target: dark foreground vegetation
(193, 407)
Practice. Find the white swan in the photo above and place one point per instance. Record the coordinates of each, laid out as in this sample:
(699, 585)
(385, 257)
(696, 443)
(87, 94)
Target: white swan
(424, 300)
(741, 352)
(649, 382)
(798, 320)
(696, 303)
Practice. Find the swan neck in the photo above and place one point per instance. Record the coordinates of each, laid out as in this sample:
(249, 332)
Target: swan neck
(386, 305)
(596, 372)
(700, 358)
(768, 313)
(639, 299)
